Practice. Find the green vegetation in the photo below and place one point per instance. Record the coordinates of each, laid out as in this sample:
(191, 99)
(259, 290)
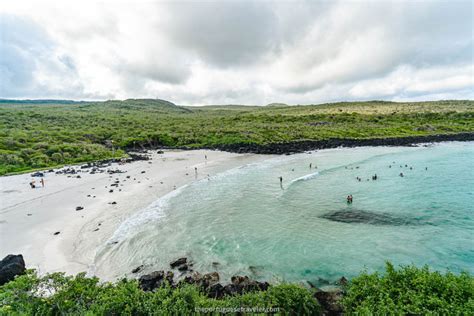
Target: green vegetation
(56, 294)
(410, 291)
(36, 134)
(406, 291)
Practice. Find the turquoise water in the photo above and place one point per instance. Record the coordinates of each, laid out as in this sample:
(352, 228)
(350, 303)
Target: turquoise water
(243, 222)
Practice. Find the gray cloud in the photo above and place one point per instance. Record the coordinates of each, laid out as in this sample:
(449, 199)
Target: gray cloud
(253, 52)
(223, 33)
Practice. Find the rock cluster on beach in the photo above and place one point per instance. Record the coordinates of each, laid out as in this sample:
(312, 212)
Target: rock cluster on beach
(210, 283)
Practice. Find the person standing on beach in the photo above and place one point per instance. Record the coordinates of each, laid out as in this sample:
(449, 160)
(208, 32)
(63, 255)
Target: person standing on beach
(281, 181)
(42, 182)
(310, 165)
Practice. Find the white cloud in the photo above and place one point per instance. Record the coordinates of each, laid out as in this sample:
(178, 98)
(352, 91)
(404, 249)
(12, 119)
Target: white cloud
(251, 52)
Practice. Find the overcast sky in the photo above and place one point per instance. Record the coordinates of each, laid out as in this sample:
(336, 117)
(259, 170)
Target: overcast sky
(237, 52)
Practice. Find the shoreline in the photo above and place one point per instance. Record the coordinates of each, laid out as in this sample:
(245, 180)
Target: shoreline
(44, 225)
(287, 148)
(310, 145)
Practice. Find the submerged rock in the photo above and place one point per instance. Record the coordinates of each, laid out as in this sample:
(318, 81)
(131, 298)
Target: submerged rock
(365, 217)
(11, 266)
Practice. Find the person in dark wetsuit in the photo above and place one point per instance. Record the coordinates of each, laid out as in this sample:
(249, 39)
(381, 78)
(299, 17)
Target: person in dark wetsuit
(281, 181)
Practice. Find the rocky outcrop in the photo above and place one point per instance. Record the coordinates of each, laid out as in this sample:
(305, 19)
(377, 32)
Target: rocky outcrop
(307, 145)
(155, 280)
(330, 301)
(208, 283)
(11, 266)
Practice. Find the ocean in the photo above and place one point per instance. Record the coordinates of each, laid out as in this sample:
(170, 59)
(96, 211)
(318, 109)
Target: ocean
(243, 221)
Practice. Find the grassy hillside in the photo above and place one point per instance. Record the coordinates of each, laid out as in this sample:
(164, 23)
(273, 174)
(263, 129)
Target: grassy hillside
(40, 134)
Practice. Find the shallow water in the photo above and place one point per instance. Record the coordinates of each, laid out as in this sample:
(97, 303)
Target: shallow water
(243, 222)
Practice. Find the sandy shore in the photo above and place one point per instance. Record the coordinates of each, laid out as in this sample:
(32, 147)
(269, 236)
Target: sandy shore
(29, 218)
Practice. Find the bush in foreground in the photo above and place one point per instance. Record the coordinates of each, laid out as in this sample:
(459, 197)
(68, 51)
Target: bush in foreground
(410, 291)
(56, 294)
(406, 291)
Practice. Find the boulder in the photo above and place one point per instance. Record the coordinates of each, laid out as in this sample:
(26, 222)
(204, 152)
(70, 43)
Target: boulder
(156, 279)
(216, 291)
(243, 284)
(11, 266)
(178, 262)
(183, 267)
(330, 301)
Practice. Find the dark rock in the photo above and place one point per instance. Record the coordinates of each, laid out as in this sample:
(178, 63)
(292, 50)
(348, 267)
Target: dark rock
(330, 301)
(243, 284)
(11, 266)
(37, 174)
(216, 291)
(111, 191)
(149, 282)
(178, 262)
(160, 152)
(365, 217)
(143, 171)
(183, 267)
(156, 279)
(342, 281)
(57, 233)
(79, 208)
(137, 269)
(210, 278)
(302, 146)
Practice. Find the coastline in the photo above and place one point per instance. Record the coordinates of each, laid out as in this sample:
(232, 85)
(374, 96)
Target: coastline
(310, 145)
(29, 218)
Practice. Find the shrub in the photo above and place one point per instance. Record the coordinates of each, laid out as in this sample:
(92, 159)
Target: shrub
(57, 294)
(410, 291)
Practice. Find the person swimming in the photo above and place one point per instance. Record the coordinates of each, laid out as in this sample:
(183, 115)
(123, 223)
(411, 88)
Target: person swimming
(401, 174)
(349, 199)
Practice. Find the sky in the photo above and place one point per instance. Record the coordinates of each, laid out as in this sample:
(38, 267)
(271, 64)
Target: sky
(237, 52)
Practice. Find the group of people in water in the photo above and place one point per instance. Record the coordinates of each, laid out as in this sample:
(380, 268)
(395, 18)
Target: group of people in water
(33, 183)
(349, 197)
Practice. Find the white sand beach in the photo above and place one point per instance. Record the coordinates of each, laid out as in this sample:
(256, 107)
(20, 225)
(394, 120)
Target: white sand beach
(29, 218)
